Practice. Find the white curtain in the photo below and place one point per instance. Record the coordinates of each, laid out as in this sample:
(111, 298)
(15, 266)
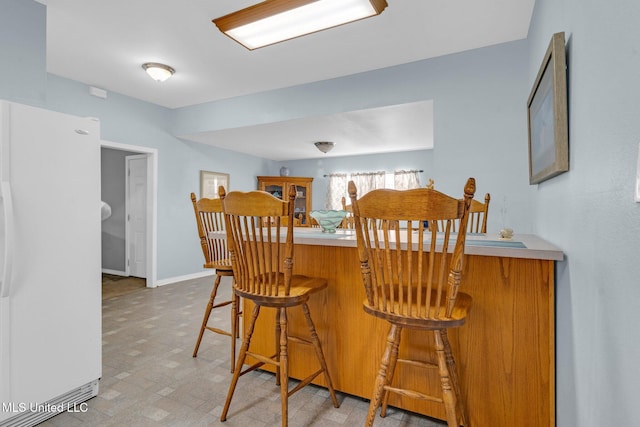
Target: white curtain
(405, 180)
(336, 189)
(367, 181)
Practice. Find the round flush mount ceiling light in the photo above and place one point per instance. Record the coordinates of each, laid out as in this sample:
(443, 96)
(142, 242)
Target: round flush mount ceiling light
(324, 146)
(158, 72)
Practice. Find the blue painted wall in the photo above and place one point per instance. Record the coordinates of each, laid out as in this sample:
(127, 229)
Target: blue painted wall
(130, 121)
(23, 29)
(590, 213)
(479, 100)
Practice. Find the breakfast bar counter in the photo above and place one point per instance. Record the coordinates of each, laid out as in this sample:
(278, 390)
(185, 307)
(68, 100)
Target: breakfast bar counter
(505, 351)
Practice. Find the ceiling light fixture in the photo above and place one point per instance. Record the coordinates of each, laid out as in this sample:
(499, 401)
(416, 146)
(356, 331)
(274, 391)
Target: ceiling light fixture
(158, 72)
(273, 21)
(324, 146)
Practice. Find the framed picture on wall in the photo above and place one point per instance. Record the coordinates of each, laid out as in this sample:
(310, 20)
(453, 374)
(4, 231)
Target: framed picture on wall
(210, 181)
(547, 116)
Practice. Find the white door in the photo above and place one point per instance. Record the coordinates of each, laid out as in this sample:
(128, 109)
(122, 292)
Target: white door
(137, 214)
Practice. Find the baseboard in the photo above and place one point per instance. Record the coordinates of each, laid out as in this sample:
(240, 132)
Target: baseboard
(114, 272)
(171, 280)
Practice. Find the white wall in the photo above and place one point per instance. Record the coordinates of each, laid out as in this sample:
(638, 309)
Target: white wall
(589, 212)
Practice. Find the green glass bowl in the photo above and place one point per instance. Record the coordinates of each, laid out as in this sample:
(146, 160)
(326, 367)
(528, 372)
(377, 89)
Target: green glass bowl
(329, 220)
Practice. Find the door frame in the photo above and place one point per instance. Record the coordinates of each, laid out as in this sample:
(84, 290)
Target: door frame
(152, 206)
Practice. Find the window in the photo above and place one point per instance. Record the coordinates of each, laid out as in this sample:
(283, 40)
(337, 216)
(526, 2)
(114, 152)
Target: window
(367, 181)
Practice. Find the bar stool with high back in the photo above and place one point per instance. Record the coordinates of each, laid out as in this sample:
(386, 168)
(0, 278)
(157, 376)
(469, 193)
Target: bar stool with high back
(347, 222)
(478, 215)
(210, 220)
(262, 259)
(411, 278)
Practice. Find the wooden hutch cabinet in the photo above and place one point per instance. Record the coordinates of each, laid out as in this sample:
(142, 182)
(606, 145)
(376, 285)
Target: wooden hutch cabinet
(277, 185)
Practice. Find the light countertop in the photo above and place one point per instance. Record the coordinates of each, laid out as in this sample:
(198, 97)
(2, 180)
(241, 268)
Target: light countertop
(520, 246)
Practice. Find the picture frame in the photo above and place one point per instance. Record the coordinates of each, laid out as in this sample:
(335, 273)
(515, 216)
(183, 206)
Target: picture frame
(547, 116)
(210, 181)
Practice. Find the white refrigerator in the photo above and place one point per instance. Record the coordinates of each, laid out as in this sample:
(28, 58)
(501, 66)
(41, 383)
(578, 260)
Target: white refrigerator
(50, 263)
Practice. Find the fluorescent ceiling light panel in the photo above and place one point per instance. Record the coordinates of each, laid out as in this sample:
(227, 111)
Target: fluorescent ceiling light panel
(273, 21)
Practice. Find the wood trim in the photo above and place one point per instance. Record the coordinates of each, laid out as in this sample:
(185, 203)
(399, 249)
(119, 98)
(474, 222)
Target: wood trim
(258, 11)
(270, 8)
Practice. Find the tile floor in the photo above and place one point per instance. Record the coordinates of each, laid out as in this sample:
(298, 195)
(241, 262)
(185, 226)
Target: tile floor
(150, 379)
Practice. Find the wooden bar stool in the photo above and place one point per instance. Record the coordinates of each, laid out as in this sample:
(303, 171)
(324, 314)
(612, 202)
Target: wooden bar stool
(262, 259)
(347, 222)
(210, 219)
(478, 215)
(411, 277)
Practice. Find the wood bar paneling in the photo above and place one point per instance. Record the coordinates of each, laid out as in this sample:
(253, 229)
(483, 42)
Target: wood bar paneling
(505, 351)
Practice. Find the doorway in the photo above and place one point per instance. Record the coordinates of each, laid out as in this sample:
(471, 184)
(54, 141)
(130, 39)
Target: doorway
(129, 238)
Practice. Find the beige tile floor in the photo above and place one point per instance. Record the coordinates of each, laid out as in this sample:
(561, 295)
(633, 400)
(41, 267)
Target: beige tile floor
(150, 379)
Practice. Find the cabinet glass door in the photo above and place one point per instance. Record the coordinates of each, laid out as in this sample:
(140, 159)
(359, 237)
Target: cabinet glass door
(301, 204)
(276, 190)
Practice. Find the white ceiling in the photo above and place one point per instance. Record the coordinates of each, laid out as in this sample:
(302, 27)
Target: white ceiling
(104, 44)
(403, 127)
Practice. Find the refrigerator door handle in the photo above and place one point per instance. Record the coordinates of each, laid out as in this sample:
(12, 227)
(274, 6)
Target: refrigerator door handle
(7, 203)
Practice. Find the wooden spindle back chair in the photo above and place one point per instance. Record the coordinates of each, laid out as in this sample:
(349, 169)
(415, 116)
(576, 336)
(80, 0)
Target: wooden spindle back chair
(478, 214)
(262, 258)
(411, 277)
(347, 222)
(211, 230)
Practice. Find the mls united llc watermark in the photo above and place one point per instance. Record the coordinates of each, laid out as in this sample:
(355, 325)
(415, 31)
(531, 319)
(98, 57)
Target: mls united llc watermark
(44, 407)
